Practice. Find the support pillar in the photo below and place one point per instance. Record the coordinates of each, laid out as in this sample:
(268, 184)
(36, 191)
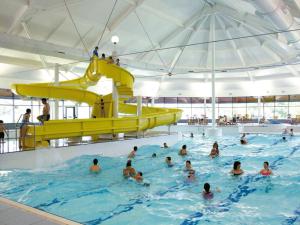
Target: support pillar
(139, 106)
(152, 101)
(213, 94)
(259, 116)
(204, 107)
(56, 82)
(115, 96)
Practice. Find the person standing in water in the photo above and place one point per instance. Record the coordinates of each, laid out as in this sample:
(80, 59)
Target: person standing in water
(183, 151)
(95, 168)
(236, 171)
(266, 171)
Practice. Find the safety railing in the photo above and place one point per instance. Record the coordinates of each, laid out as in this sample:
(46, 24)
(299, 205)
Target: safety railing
(12, 137)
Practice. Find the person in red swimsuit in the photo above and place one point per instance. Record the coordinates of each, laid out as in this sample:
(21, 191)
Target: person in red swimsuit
(266, 171)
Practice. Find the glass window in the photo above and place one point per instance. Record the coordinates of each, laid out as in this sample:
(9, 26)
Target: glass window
(6, 101)
(197, 112)
(19, 111)
(225, 111)
(239, 99)
(160, 100)
(6, 92)
(252, 112)
(281, 112)
(184, 100)
(170, 105)
(268, 99)
(282, 98)
(295, 98)
(36, 111)
(187, 113)
(268, 112)
(171, 100)
(158, 105)
(198, 100)
(6, 113)
(23, 102)
(83, 112)
(294, 111)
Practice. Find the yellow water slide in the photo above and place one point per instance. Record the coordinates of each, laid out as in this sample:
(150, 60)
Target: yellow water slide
(101, 121)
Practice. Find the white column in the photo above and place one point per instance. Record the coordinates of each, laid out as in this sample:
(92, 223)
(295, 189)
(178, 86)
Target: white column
(56, 82)
(152, 101)
(259, 108)
(204, 107)
(139, 106)
(115, 96)
(213, 94)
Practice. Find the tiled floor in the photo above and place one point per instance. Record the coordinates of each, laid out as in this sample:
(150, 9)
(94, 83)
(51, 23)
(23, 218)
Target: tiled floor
(13, 215)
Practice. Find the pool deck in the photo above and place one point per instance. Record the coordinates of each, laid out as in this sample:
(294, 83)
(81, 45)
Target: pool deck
(13, 213)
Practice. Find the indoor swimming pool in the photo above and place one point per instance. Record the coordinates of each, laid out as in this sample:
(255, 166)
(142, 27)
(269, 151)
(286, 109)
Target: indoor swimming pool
(71, 191)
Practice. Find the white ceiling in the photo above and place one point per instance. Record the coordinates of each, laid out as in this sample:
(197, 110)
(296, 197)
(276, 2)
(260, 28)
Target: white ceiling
(36, 34)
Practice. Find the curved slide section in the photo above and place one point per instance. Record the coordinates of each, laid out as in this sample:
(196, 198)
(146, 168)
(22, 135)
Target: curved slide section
(75, 90)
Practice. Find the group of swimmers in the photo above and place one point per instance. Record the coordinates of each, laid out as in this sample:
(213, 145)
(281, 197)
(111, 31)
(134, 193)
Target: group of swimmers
(286, 132)
(130, 172)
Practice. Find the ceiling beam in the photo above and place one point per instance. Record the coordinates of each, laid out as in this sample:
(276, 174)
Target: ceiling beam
(20, 62)
(41, 48)
(188, 24)
(42, 58)
(83, 37)
(159, 13)
(114, 24)
(52, 32)
(236, 49)
(18, 18)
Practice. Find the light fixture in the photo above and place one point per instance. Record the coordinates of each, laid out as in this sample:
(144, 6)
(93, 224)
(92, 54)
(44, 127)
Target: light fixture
(115, 39)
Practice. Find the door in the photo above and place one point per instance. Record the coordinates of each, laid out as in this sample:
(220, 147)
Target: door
(70, 113)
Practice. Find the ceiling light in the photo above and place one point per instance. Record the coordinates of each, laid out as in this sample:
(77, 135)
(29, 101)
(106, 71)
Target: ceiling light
(115, 39)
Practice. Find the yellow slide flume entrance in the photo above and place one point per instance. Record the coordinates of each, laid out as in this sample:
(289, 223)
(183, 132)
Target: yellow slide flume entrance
(75, 90)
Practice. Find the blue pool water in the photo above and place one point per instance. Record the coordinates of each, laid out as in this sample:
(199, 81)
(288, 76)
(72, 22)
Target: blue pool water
(69, 190)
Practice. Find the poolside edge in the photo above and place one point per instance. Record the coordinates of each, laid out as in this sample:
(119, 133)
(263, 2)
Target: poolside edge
(48, 216)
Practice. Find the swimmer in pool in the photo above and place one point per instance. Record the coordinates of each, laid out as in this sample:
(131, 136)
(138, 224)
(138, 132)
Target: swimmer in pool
(183, 151)
(191, 176)
(206, 193)
(132, 154)
(291, 132)
(243, 140)
(284, 139)
(285, 131)
(139, 177)
(129, 171)
(165, 146)
(236, 171)
(266, 171)
(188, 165)
(215, 150)
(154, 155)
(192, 135)
(95, 167)
(169, 161)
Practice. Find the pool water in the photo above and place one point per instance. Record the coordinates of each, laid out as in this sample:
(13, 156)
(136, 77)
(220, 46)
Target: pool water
(71, 191)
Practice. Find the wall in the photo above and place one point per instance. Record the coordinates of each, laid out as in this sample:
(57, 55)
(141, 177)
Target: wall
(42, 158)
